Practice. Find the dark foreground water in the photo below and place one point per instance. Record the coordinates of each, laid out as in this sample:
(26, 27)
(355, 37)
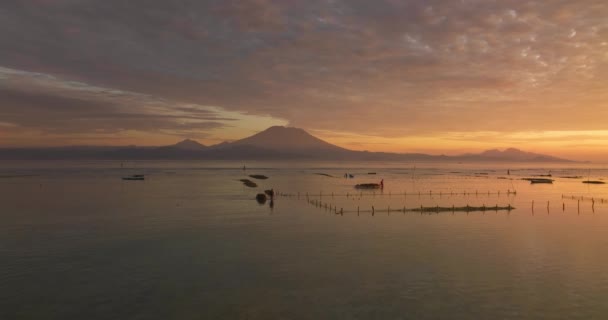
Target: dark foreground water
(190, 242)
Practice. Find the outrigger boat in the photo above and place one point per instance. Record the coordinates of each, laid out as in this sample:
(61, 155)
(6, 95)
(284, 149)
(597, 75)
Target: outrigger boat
(135, 177)
(532, 181)
(368, 186)
(371, 185)
(594, 182)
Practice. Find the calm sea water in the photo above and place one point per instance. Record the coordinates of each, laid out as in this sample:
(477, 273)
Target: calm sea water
(190, 242)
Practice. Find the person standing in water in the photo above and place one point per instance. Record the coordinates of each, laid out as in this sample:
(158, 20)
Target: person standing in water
(382, 184)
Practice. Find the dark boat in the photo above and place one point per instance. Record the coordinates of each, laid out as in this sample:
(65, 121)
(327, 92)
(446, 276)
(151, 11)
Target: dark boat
(134, 178)
(248, 183)
(594, 182)
(532, 181)
(368, 186)
(260, 198)
(270, 193)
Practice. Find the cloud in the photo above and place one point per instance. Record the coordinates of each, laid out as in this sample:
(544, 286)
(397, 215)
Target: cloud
(388, 67)
(46, 104)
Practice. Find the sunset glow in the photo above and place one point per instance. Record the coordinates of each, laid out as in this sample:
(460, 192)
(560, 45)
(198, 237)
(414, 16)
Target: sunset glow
(440, 77)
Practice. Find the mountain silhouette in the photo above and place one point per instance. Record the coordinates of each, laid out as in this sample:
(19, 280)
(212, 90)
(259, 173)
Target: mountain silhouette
(188, 144)
(513, 154)
(284, 138)
(274, 143)
(281, 142)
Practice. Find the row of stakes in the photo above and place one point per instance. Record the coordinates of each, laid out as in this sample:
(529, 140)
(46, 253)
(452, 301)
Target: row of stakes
(468, 208)
(581, 198)
(405, 194)
(578, 203)
(422, 209)
(436, 209)
(419, 194)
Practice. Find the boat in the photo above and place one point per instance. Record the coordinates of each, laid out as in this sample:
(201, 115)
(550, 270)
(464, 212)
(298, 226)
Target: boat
(248, 183)
(533, 181)
(594, 182)
(368, 186)
(260, 198)
(134, 178)
(270, 193)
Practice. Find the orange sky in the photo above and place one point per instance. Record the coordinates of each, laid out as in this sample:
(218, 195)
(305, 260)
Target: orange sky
(439, 77)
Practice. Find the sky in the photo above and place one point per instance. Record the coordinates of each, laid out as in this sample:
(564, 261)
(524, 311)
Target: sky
(437, 76)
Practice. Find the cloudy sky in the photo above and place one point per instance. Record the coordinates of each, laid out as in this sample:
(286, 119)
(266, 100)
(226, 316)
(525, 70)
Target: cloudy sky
(438, 76)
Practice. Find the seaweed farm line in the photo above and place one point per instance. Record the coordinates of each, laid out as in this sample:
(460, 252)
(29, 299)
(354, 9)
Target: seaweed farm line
(422, 209)
(405, 194)
(582, 198)
(387, 209)
(316, 200)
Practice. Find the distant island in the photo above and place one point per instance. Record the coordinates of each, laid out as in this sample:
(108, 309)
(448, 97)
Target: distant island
(274, 143)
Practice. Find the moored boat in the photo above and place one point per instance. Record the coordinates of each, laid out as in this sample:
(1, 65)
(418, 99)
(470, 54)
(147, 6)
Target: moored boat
(368, 186)
(594, 182)
(533, 181)
(135, 177)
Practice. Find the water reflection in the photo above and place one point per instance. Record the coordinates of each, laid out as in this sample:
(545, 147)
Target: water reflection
(124, 251)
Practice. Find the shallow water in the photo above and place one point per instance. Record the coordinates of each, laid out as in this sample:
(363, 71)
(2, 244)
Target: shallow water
(190, 242)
